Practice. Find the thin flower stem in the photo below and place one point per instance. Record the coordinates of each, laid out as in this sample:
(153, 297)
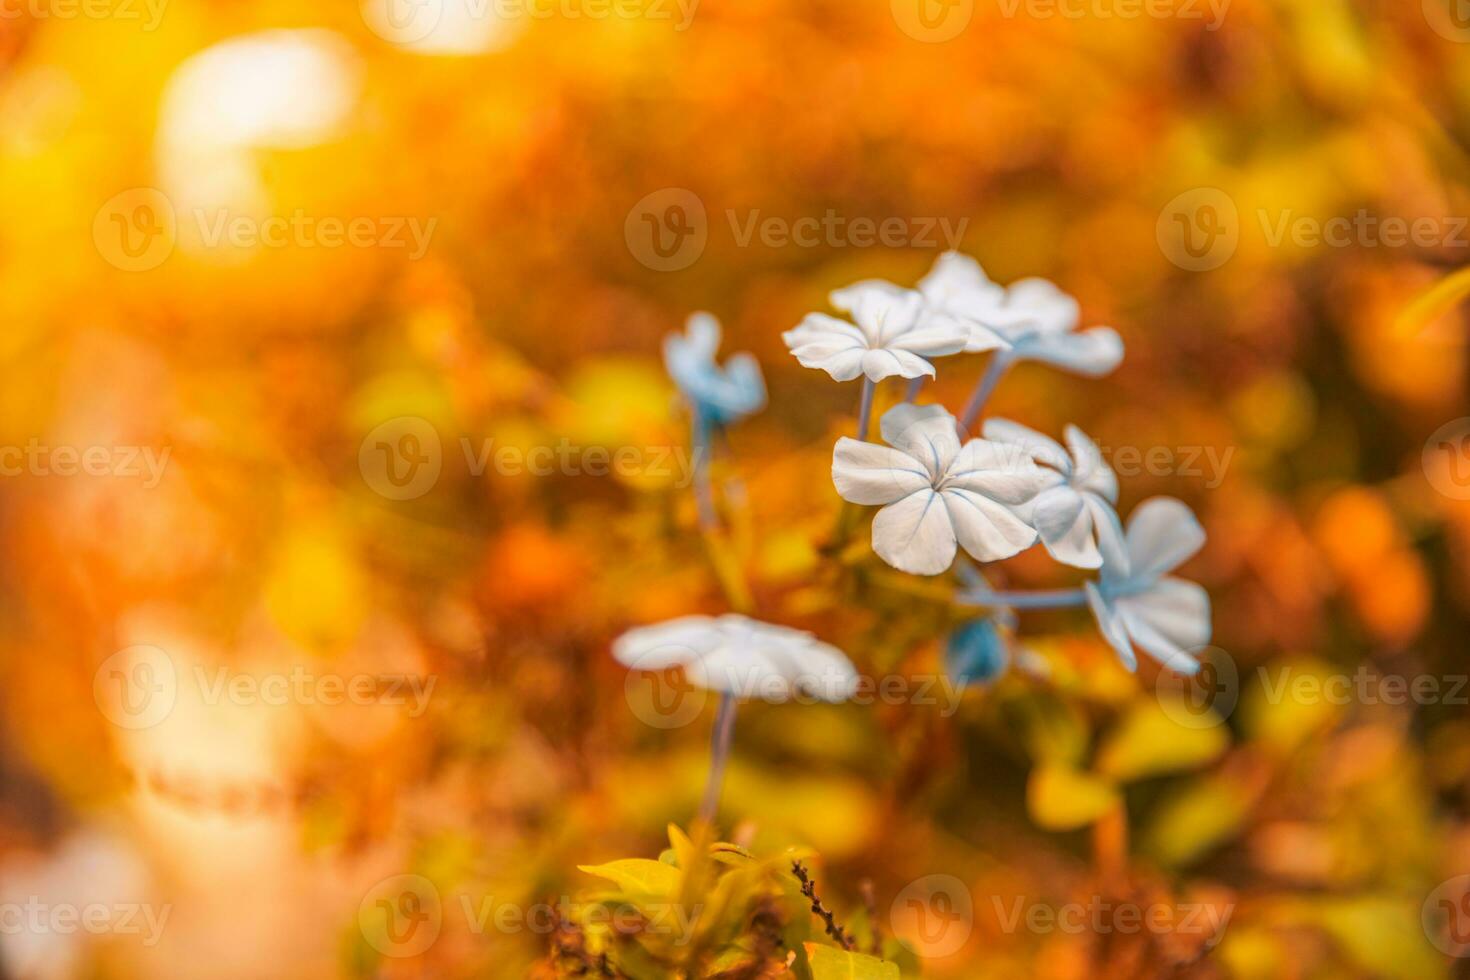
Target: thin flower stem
(865, 409)
(704, 494)
(1042, 599)
(720, 741)
(994, 371)
(916, 385)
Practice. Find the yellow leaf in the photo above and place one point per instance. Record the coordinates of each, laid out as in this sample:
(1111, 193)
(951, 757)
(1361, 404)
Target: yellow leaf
(1061, 798)
(831, 963)
(638, 876)
(1149, 742)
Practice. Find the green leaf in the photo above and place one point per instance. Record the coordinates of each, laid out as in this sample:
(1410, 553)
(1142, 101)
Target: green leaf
(638, 876)
(1061, 798)
(831, 963)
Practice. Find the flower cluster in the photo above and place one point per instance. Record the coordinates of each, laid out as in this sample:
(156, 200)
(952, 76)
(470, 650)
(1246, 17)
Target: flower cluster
(939, 492)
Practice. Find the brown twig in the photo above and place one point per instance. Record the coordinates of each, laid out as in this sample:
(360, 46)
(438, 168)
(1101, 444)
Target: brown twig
(809, 889)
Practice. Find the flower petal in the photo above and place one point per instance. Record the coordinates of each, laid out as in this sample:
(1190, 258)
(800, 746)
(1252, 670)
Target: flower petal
(867, 473)
(997, 470)
(1178, 611)
(663, 645)
(1092, 353)
(848, 298)
(1162, 534)
(822, 328)
(933, 335)
(1109, 531)
(1089, 470)
(986, 529)
(915, 535)
(1110, 624)
(884, 313)
(1065, 525)
(1042, 448)
(886, 362)
(1040, 305)
(925, 432)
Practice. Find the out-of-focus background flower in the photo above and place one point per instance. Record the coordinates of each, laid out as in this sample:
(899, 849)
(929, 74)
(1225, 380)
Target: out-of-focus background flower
(337, 448)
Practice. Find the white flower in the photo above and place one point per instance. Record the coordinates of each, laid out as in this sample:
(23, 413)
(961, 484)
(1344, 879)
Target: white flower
(937, 494)
(737, 655)
(893, 335)
(945, 295)
(1165, 616)
(1035, 319)
(1074, 514)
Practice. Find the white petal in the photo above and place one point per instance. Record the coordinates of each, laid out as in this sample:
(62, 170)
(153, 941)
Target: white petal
(933, 335)
(1092, 353)
(885, 313)
(1065, 525)
(663, 645)
(983, 338)
(988, 530)
(1043, 448)
(847, 298)
(998, 470)
(1089, 471)
(1042, 305)
(925, 432)
(867, 473)
(959, 286)
(1110, 624)
(1109, 531)
(887, 362)
(826, 673)
(1178, 611)
(914, 535)
(821, 328)
(1162, 534)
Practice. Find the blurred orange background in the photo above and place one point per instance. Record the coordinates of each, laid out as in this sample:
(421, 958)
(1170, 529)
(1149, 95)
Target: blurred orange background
(246, 243)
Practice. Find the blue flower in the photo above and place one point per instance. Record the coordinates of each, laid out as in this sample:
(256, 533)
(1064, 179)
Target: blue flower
(718, 395)
(976, 653)
(1167, 617)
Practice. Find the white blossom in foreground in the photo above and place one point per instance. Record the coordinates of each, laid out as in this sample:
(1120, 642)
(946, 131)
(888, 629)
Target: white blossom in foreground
(937, 495)
(1074, 515)
(744, 657)
(945, 296)
(1165, 616)
(891, 335)
(1037, 320)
